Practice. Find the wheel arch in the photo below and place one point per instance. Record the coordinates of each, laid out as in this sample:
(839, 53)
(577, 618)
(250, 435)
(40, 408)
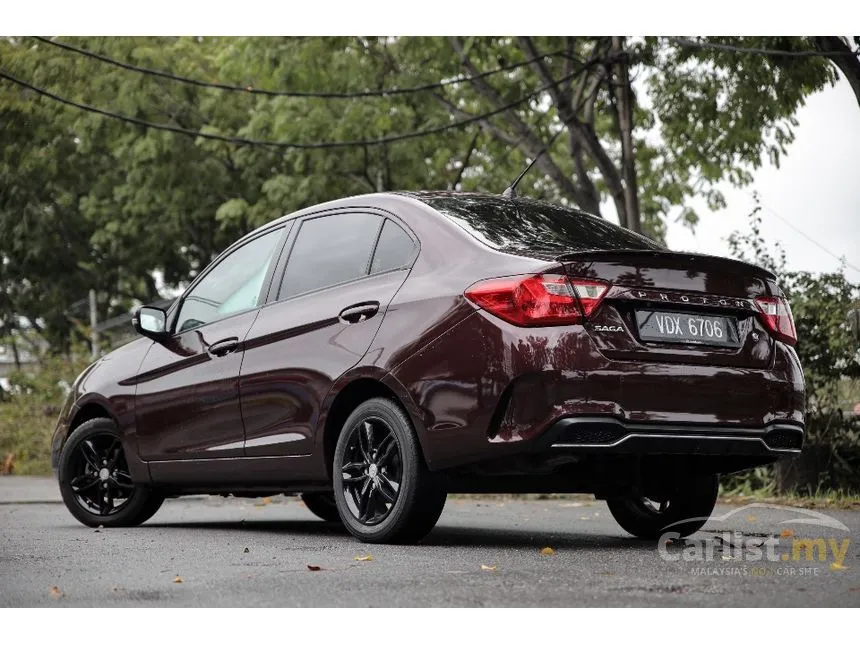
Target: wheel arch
(348, 393)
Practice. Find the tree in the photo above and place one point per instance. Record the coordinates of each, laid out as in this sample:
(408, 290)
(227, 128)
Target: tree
(90, 202)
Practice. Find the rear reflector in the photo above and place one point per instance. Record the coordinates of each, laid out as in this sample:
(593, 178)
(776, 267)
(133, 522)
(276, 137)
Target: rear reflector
(776, 315)
(538, 300)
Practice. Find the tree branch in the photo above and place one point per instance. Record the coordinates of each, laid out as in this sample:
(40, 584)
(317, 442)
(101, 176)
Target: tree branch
(464, 164)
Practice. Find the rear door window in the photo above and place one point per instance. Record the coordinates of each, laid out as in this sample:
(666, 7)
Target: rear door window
(330, 250)
(394, 250)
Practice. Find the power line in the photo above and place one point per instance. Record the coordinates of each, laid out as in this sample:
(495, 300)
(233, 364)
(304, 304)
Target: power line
(286, 144)
(801, 233)
(292, 93)
(735, 49)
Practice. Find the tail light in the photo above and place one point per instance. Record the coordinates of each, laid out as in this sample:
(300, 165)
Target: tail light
(776, 314)
(538, 300)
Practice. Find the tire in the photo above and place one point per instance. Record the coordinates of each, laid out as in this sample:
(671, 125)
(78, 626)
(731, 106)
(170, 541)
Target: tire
(322, 505)
(687, 508)
(367, 465)
(83, 476)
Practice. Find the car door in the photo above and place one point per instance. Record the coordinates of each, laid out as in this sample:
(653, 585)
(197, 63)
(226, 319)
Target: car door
(341, 273)
(187, 396)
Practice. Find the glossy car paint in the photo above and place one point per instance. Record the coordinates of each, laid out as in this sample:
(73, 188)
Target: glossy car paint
(475, 387)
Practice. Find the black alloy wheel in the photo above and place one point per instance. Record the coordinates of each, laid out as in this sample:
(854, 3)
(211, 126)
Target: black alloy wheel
(373, 473)
(96, 481)
(99, 476)
(382, 487)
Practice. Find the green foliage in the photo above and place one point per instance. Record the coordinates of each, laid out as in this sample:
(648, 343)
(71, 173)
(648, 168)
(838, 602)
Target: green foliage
(828, 353)
(28, 413)
(88, 202)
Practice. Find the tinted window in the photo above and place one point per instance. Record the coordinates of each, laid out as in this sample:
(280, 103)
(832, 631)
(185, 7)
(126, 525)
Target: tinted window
(521, 224)
(394, 249)
(232, 286)
(330, 250)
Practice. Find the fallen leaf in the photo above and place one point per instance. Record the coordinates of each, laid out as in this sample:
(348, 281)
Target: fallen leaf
(786, 533)
(835, 566)
(55, 592)
(750, 518)
(264, 502)
(247, 550)
(547, 550)
(313, 567)
(726, 557)
(177, 579)
(488, 567)
(364, 558)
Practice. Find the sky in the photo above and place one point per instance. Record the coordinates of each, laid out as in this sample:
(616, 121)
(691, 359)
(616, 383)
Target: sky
(816, 189)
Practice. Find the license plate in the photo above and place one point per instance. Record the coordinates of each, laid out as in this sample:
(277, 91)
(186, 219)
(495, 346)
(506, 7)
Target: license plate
(697, 329)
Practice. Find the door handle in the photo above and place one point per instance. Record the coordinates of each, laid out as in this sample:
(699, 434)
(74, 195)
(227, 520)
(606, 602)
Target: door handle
(223, 347)
(359, 312)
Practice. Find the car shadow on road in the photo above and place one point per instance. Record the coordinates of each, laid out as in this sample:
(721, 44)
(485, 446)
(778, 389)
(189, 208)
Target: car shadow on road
(441, 536)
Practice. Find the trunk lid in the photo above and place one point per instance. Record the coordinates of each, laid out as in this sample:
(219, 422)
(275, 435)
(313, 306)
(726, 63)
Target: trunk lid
(699, 291)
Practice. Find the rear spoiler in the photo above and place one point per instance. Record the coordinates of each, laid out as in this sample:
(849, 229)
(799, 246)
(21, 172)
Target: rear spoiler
(681, 258)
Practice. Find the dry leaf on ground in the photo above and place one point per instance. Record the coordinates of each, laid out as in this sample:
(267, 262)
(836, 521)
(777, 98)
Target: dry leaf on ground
(313, 567)
(363, 558)
(488, 567)
(177, 579)
(786, 533)
(547, 550)
(55, 592)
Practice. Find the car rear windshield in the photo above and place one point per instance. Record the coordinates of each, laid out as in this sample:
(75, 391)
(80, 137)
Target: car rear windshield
(537, 227)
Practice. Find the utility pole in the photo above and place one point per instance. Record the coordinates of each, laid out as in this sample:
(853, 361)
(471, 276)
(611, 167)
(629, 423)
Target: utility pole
(94, 319)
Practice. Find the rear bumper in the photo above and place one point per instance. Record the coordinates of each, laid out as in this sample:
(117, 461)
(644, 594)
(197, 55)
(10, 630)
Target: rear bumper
(609, 435)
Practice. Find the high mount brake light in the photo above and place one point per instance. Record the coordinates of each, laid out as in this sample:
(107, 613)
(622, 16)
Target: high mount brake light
(776, 315)
(538, 300)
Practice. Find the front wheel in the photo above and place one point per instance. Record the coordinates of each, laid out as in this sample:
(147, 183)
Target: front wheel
(383, 490)
(683, 510)
(95, 481)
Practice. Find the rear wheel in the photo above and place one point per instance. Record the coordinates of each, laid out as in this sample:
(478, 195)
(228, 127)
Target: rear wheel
(683, 509)
(322, 505)
(383, 490)
(95, 481)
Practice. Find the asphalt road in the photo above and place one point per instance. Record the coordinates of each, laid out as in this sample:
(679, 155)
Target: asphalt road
(247, 553)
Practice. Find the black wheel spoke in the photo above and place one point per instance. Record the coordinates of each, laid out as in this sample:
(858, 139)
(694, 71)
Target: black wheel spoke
(83, 482)
(364, 501)
(353, 468)
(90, 454)
(387, 449)
(122, 479)
(386, 489)
(354, 481)
(365, 440)
(114, 453)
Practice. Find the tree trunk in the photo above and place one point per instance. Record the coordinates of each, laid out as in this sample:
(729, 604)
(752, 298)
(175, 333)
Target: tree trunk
(848, 65)
(624, 101)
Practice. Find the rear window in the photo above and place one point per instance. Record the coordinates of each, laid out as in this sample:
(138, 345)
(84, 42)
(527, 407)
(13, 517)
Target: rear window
(525, 225)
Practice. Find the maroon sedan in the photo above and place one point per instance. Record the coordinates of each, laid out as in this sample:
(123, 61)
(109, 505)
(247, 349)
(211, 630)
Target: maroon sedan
(376, 353)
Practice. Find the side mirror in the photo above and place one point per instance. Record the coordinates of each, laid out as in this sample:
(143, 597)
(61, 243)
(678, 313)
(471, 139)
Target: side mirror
(854, 323)
(150, 322)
